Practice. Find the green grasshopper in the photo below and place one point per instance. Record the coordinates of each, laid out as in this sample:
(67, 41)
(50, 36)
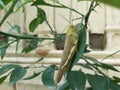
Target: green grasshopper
(69, 51)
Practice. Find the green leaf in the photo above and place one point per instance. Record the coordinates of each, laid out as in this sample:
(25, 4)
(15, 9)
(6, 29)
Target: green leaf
(34, 24)
(37, 21)
(32, 76)
(42, 2)
(106, 66)
(2, 79)
(48, 77)
(87, 66)
(115, 3)
(93, 60)
(3, 45)
(98, 82)
(17, 74)
(7, 67)
(81, 45)
(3, 52)
(114, 86)
(41, 14)
(86, 50)
(64, 86)
(76, 80)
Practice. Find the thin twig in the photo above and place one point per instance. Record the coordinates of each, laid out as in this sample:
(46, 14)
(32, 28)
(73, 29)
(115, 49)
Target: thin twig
(94, 67)
(110, 55)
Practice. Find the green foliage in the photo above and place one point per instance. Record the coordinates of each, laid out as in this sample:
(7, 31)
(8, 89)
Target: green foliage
(7, 67)
(21, 4)
(81, 44)
(93, 60)
(115, 3)
(64, 86)
(98, 82)
(114, 86)
(41, 17)
(6, 1)
(15, 28)
(48, 77)
(42, 2)
(76, 80)
(31, 44)
(106, 66)
(17, 74)
(2, 5)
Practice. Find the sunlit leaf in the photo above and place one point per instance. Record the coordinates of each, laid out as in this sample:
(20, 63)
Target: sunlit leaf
(17, 74)
(48, 77)
(98, 82)
(7, 67)
(76, 80)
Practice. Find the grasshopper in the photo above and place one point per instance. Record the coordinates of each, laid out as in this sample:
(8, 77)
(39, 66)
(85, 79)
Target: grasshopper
(69, 51)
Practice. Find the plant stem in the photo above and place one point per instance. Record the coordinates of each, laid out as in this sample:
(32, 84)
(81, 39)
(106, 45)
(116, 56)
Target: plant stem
(9, 12)
(94, 67)
(62, 5)
(23, 36)
(6, 45)
(110, 55)
(52, 31)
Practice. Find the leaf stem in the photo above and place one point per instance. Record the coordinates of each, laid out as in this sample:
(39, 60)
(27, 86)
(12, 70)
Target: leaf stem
(64, 6)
